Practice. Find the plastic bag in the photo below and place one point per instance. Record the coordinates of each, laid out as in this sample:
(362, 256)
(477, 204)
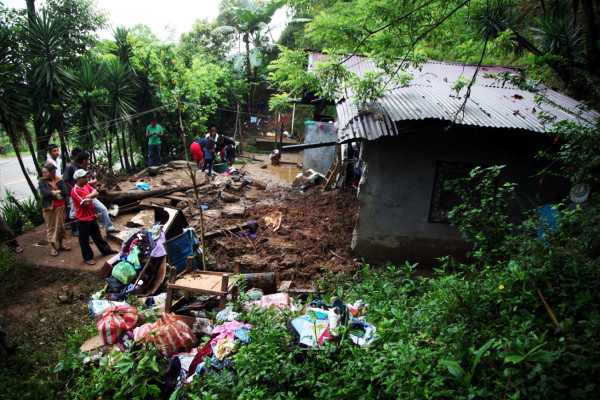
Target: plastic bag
(116, 320)
(124, 272)
(170, 334)
(97, 307)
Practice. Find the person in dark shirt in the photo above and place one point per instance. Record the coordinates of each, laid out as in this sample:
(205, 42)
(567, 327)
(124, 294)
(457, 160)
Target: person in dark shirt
(226, 147)
(9, 236)
(209, 156)
(70, 182)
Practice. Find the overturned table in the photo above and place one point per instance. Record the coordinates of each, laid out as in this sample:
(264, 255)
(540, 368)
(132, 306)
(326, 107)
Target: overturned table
(207, 282)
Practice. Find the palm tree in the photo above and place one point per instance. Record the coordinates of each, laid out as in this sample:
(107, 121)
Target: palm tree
(14, 98)
(89, 97)
(45, 39)
(121, 91)
(122, 46)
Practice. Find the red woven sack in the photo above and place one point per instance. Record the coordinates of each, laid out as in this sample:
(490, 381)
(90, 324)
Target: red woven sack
(170, 334)
(116, 320)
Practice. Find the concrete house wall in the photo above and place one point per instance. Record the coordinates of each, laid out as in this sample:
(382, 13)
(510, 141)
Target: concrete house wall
(396, 190)
(319, 158)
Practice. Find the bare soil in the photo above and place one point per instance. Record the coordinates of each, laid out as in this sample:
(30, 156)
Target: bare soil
(315, 232)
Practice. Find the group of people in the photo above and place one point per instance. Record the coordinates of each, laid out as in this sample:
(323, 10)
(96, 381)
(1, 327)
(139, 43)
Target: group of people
(206, 149)
(71, 199)
(75, 189)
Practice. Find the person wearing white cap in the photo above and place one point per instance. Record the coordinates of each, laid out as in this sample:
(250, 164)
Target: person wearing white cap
(82, 195)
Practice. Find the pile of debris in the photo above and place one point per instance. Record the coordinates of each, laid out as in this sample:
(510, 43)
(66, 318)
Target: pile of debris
(298, 232)
(196, 345)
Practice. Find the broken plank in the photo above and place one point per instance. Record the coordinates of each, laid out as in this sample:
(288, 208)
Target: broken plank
(150, 203)
(175, 197)
(232, 229)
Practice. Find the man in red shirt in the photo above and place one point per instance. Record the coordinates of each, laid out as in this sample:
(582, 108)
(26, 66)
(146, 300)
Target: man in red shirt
(82, 195)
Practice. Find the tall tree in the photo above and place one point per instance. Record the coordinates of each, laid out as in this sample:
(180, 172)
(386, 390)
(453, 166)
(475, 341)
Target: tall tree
(250, 20)
(14, 97)
(397, 35)
(121, 94)
(89, 96)
(46, 51)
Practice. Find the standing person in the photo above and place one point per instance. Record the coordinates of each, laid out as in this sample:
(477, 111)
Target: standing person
(197, 152)
(82, 195)
(70, 182)
(209, 156)
(53, 155)
(83, 162)
(154, 132)
(7, 235)
(54, 192)
(226, 147)
(213, 134)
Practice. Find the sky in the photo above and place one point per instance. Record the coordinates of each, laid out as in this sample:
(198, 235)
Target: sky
(160, 15)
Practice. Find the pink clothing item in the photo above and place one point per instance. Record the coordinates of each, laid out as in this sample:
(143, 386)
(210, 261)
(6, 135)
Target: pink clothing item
(227, 330)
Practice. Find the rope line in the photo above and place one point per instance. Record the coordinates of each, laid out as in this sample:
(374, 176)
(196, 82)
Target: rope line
(73, 133)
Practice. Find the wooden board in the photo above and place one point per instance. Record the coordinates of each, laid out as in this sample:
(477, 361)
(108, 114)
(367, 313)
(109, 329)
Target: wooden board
(92, 343)
(176, 198)
(201, 282)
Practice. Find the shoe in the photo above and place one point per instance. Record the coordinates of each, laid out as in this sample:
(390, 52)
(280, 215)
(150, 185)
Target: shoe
(113, 230)
(76, 233)
(112, 251)
(90, 262)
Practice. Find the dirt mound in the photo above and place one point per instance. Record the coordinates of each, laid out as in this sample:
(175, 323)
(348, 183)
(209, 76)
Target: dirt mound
(315, 231)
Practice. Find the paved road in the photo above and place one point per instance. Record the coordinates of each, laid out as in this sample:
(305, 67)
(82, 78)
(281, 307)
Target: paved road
(12, 178)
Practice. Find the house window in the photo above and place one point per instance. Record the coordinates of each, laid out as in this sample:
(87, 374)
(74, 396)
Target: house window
(443, 201)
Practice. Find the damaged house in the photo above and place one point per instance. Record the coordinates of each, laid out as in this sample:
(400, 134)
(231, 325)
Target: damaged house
(416, 137)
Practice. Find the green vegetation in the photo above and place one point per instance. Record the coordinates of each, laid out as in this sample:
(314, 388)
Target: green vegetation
(21, 216)
(553, 41)
(521, 321)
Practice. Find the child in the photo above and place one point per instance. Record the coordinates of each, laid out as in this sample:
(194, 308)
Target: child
(209, 155)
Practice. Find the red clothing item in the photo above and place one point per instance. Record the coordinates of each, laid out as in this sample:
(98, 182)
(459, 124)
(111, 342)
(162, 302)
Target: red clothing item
(57, 203)
(85, 211)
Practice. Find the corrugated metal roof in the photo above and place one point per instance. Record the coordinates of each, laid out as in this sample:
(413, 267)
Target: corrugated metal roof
(430, 96)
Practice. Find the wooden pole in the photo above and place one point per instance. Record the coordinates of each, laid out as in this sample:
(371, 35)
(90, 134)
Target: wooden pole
(195, 185)
(293, 116)
(237, 116)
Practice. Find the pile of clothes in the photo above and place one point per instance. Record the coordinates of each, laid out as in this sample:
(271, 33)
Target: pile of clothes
(139, 247)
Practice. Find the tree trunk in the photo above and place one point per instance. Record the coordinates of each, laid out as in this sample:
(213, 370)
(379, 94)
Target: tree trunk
(131, 132)
(128, 196)
(28, 139)
(592, 56)
(30, 9)
(109, 151)
(249, 74)
(125, 157)
(60, 127)
(119, 149)
(15, 143)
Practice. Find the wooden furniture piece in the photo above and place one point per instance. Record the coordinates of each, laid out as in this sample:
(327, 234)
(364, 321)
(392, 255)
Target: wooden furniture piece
(331, 175)
(207, 282)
